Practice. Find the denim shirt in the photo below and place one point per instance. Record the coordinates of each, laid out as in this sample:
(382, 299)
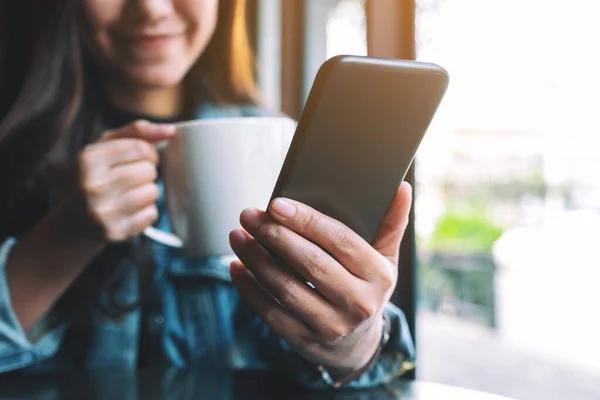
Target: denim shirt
(193, 314)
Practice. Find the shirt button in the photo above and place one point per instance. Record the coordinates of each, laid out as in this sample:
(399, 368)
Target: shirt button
(159, 319)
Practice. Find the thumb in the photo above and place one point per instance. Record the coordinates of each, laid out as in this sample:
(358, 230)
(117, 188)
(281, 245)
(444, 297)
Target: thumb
(394, 223)
(142, 129)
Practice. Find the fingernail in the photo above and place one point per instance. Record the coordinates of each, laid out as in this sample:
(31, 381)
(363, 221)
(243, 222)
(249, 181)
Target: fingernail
(169, 128)
(250, 217)
(237, 238)
(284, 208)
(162, 128)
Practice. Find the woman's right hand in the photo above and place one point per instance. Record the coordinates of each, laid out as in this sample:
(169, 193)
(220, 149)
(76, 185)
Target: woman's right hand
(116, 187)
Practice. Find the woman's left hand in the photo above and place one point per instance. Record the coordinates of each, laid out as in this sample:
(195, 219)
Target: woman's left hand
(338, 324)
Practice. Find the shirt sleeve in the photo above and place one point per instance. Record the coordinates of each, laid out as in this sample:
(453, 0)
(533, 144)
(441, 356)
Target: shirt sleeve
(396, 358)
(17, 350)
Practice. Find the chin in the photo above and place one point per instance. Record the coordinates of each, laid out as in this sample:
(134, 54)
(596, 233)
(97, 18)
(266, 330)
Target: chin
(161, 77)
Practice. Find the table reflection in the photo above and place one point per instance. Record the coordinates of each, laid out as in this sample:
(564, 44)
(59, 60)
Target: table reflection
(172, 384)
(204, 383)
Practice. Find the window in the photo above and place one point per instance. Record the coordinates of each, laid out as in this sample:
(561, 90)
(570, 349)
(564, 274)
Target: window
(507, 210)
(332, 27)
(346, 29)
(507, 213)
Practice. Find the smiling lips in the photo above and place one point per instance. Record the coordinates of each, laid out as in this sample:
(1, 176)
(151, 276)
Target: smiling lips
(152, 41)
(146, 46)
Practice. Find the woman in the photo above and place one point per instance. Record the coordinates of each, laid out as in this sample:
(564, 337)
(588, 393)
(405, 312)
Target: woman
(86, 88)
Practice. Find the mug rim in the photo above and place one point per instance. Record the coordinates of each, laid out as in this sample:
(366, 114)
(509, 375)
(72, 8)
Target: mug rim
(226, 120)
(181, 126)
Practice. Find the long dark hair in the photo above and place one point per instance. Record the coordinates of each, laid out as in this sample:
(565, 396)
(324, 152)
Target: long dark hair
(49, 111)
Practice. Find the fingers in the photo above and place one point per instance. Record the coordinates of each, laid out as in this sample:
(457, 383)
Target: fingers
(347, 346)
(118, 152)
(394, 223)
(133, 142)
(139, 198)
(117, 226)
(330, 278)
(141, 220)
(295, 296)
(354, 253)
(270, 311)
(143, 130)
(355, 278)
(128, 176)
(117, 179)
(348, 248)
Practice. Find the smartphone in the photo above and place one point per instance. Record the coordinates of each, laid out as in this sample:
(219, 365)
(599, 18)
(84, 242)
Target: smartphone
(358, 135)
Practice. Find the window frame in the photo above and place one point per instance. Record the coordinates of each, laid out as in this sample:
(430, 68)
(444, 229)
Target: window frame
(391, 34)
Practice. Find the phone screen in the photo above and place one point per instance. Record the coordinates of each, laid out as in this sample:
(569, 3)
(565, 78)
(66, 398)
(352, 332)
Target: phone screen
(357, 136)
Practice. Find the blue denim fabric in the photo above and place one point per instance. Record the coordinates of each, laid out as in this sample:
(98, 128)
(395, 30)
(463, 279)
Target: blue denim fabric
(193, 313)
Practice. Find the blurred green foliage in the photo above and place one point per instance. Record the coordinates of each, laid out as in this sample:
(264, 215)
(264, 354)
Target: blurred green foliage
(468, 230)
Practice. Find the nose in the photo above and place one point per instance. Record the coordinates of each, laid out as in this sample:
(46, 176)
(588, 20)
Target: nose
(154, 10)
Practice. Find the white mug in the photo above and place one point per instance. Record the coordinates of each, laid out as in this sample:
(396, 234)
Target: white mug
(212, 170)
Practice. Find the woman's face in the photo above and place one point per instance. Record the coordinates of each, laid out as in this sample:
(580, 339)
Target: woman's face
(151, 43)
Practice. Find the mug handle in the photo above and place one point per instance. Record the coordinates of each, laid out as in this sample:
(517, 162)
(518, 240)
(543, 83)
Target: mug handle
(162, 237)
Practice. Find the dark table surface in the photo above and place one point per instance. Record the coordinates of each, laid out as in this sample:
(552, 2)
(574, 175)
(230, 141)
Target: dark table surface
(208, 383)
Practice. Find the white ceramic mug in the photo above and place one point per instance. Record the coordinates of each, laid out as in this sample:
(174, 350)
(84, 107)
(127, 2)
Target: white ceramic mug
(212, 170)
